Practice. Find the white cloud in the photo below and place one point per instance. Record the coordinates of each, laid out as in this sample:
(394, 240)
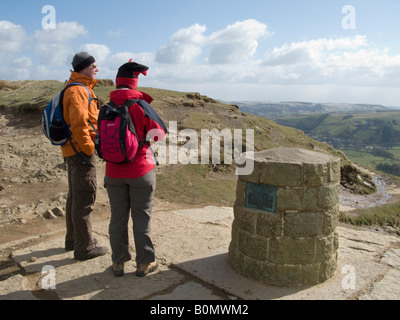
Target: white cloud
(184, 47)
(23, 62)
(312, 51)
(237, 42)
(16, 69)
(54, 46)
(12, 40)
(99, 51)
(287, 55)
(12, 37)
(351, 61)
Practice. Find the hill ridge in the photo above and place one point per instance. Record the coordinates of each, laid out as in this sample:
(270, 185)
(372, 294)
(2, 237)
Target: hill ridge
(274, 110)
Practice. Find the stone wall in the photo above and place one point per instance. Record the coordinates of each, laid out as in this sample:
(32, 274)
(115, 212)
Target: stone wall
(292, 239)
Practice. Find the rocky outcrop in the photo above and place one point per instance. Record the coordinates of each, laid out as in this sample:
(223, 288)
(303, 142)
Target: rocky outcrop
(356, 181)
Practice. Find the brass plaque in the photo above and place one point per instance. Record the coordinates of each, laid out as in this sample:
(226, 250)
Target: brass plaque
(261, 197)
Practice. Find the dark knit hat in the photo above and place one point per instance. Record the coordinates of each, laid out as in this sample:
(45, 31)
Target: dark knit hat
(82, 60)
(128, 74)
(131, 70)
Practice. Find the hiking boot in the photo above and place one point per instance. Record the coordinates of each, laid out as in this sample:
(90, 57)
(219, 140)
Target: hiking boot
(91, 254)
(144, 269)
(118, 269)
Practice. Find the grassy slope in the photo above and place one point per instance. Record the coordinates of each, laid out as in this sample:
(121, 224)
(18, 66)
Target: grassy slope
(27, 96)
(362, 126)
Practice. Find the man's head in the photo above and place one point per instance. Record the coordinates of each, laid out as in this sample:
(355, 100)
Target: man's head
(85, 64)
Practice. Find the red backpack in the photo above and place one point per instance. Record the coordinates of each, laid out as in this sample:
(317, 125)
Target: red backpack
(117, 140)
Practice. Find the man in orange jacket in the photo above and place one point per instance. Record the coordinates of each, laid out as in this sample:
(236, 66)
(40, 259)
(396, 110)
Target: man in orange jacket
(80, 111)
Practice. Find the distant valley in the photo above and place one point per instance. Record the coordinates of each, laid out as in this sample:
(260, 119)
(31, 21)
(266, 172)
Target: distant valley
(368, 134)
(273, 110)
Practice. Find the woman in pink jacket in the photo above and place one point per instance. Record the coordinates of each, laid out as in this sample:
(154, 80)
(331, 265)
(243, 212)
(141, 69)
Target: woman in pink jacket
(131, 186)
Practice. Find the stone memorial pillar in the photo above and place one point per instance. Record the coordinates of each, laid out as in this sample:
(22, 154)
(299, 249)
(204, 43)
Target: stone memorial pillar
(286, 214)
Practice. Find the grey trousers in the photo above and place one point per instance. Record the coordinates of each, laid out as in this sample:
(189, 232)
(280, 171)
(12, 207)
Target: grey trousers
(82, 188)
(131, 197)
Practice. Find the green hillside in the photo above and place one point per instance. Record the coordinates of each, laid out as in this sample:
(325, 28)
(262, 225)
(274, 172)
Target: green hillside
(344, 130)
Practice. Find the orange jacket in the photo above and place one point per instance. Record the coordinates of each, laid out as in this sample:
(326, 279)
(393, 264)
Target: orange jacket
(77, 114)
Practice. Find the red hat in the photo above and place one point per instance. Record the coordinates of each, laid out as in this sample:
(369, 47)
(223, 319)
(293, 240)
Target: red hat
(128, 74)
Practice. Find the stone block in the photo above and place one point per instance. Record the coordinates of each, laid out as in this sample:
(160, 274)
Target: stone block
(303, 224)
(334, 172)
(310, 274)
(331, 219)
(328, 268)
(238, 210)
(253, 246)
(235, 258)
(292, 251)
(328, 196)
(314, 174)
(299, 199)
(336, 240)
(281, 275)
(269, 225)
(326, 247)
(235, 234)
(248, 220)
(281, 174)
(252, 268)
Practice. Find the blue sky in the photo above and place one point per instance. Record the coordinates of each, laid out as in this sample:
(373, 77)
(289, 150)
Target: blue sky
(264, 50)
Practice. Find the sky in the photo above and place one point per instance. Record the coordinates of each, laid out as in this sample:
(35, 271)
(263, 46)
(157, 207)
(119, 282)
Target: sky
(254, 50)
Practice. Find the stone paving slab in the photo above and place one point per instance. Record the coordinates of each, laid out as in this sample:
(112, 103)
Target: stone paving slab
(16, 288)
(392, 258)
(92, 279)
(386, 289)
(358, 257)
(389, 287)
(206, 214)
(215, 269)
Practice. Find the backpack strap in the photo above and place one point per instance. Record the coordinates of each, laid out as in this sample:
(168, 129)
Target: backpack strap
(128, 104)
(142, 141)
(80, 84)
(90, 122)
